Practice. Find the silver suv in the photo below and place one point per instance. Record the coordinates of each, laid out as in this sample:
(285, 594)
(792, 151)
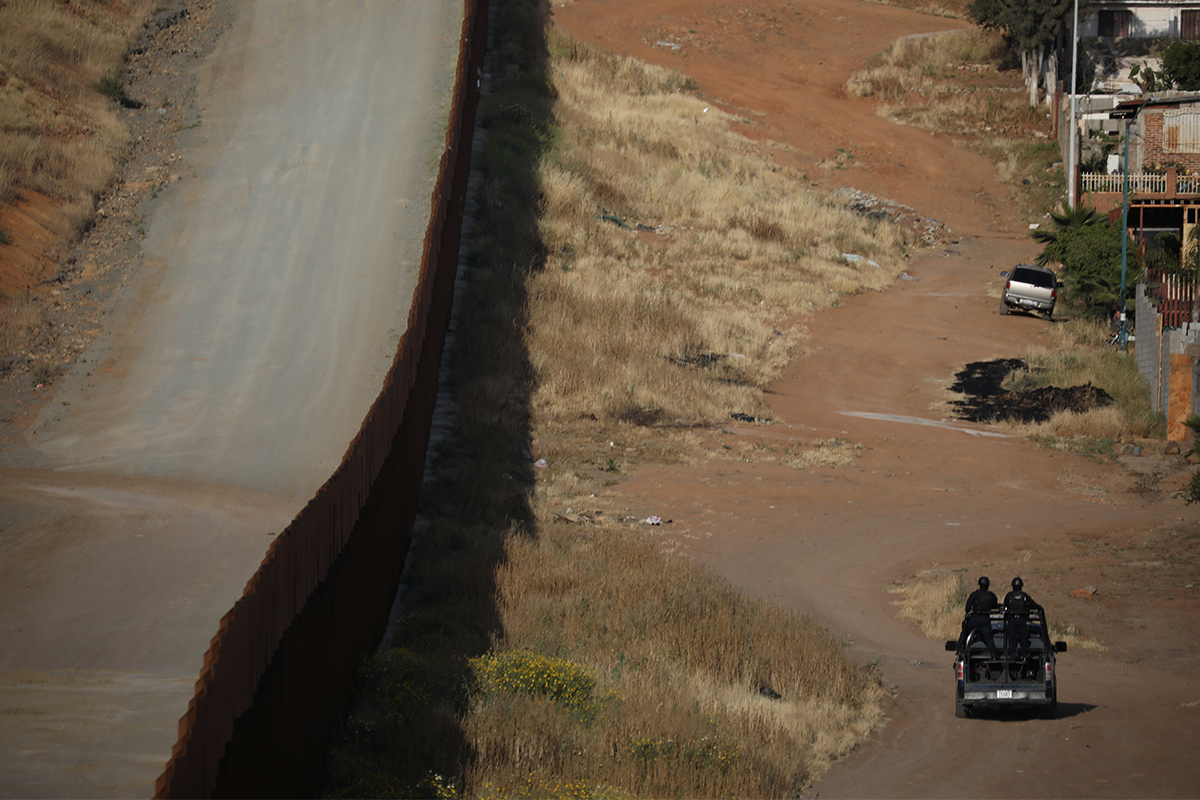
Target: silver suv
(1029, 288)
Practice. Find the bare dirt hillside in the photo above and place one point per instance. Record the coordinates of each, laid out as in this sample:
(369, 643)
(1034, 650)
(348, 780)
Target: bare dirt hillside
(923, 492)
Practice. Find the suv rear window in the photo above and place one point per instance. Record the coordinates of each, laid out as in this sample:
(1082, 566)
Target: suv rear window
(1033, 276)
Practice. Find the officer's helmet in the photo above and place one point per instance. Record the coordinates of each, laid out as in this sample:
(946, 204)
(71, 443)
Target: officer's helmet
(1017, 584)
(984, 583)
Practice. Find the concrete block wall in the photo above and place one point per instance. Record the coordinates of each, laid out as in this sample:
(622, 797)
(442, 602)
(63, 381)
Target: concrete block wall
(1148, 349)
(1167, 360)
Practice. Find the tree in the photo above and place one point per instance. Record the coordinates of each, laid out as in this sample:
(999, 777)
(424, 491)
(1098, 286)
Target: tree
(1033, 28)
(1181, 65)
(1091, 266)
(1064, 219)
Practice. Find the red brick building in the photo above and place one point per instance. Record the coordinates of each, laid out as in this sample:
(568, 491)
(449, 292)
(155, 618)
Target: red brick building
(1164, 166)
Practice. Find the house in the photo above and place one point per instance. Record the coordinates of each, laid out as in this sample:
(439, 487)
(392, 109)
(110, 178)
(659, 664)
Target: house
(1141, 19)
(1162, 173)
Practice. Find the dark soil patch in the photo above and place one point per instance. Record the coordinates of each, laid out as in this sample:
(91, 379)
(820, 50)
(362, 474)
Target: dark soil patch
(987, 401)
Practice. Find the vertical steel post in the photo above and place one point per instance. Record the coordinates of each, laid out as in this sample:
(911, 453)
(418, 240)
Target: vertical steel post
(1073, 153)
(1123, 339)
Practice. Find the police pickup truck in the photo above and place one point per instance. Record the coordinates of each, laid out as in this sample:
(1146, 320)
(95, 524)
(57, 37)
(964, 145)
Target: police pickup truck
(1007, 681)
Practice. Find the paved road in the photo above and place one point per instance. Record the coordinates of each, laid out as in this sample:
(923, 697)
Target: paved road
(277, 281)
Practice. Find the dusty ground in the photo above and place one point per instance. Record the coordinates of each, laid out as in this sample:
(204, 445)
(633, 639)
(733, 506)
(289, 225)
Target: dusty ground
(922, 492)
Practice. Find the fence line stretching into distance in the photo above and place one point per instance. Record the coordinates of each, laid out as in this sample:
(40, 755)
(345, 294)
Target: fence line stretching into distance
(279, 673)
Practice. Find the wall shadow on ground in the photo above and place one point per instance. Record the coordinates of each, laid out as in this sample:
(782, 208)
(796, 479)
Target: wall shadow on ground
(282, 665)
(403, 736)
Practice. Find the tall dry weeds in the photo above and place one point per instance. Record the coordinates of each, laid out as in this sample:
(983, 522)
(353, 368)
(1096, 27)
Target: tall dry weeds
(689, 665)
(539, 657)
(1080, 356)
(58, 135)
(934, 600)
(675, 252)
(22, 321)
(968, 84)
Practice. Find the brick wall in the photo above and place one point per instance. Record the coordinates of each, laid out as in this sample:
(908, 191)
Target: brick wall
(1154, 155)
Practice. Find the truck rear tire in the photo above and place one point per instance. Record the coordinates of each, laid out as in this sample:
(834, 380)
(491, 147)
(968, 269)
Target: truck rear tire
(961, 711)
(1050, 711)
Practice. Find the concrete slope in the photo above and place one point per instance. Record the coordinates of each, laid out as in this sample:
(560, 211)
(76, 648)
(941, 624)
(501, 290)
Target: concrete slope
(279, 277)
(237, 368)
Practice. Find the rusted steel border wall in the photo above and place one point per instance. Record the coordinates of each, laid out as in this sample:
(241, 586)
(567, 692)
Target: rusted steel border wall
(279, 672)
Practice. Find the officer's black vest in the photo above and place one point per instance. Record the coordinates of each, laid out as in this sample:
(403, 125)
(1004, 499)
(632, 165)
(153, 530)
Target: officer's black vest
(1018, 604)
(983, 603)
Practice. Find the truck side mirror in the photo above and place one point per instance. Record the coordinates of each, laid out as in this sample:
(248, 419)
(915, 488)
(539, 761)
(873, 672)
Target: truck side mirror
(1060, 647)
(1003, 273)
(951, 646)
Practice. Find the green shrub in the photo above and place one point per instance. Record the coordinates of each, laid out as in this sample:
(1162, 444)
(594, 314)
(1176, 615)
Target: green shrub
(536, 675)
(1191, 492)
(1181, 65)
(112, 86)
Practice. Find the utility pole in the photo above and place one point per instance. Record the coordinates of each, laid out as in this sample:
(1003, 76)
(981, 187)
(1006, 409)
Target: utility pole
(1073, 157)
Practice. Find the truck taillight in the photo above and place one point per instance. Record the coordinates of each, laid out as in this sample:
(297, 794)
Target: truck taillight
(958, 668)
(1007, 285)
(1053, 294)
(1049, 671)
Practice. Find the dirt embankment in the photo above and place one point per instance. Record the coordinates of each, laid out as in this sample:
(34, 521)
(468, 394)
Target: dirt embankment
(925, 493)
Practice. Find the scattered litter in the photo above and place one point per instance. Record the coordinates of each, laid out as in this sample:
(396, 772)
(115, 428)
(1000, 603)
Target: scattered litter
(904, 276)
(874, 264)
(705, 111)
(1033, 226)
(643, 227)
(653, 520)
(672, 45)
(39, 386)
(740, 417)
(852, 257)
(769, 693)
(737, 355)
(615, 220)
(541, 463)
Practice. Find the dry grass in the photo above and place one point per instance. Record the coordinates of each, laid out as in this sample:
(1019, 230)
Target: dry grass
(935, 600)
(58, 135)
(679, 660)
(967, 84)
(1079, 357)
(955, 82)
(21, 322)
(550, 645)
(955, 9)
(689, 318)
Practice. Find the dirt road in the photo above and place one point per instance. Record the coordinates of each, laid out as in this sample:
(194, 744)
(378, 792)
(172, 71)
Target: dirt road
(235, 370)
(921, 494)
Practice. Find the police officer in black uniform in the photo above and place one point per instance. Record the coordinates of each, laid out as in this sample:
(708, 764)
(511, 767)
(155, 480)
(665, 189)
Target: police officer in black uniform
(1017, 606)
(979, 607)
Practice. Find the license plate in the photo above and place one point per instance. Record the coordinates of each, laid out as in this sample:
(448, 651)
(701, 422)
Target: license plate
(1004, 694)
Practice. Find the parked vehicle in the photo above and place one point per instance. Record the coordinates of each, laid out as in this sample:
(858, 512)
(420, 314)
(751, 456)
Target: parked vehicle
(1007, 681)
(1030, 288)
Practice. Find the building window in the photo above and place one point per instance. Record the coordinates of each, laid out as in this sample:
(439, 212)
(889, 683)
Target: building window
(1189, 25)
(1116, 23)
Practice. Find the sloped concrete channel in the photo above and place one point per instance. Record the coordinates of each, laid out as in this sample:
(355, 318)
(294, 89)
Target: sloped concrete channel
(276, 285)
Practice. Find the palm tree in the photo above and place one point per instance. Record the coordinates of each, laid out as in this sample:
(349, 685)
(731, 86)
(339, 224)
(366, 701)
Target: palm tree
(1064, 219)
